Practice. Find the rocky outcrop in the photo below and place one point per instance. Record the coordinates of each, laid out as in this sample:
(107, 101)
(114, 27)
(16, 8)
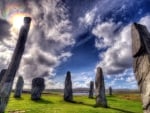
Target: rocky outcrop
(38, 86)
(100, 88)
(19, 87)
(141, 62)
(91, 91)
(7, 80)
(68, 94)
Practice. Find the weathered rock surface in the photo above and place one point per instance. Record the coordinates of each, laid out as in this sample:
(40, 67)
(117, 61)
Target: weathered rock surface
(68, 94)
(100, 88)
(19, 87)
(91, 91)
(141, 62)
(2, 73)
(38, 86)
(110, 91)
(7, 80)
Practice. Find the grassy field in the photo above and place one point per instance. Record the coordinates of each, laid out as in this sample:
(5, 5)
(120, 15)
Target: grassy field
(53, 103)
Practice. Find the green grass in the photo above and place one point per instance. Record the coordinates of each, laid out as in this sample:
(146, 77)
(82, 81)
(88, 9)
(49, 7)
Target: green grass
(53, 103)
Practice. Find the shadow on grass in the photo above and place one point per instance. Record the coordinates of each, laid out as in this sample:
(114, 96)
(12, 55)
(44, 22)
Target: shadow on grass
(117, 109)
(43, 101)
(80, 103)
(94, 106)
(121, 110)
(18, 98)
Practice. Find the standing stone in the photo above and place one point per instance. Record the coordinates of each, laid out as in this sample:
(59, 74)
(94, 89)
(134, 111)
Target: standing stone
(141, 62)
(68, 96)
(91, 91)
(100, 88)
(7, 80)
(2, 73)
(38, 86)
(110, 91)
(19, 87)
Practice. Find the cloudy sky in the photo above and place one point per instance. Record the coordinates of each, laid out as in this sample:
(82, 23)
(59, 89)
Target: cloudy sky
(73, 35)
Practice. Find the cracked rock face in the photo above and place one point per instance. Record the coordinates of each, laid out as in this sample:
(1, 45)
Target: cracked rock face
(91, 91)
(100, 88)
(141, 62)
(37, 88)
(68, 93)
(19, 87)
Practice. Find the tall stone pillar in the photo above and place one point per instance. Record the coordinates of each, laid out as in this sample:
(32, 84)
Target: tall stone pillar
(141, 62)
(19, 87)
(68, 94)
(110, 91)
(100, 88)
(7, 80)
(38, 86)
(91, 91)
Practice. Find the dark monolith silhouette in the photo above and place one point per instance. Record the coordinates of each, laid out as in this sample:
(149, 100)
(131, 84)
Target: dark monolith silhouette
(100, 88)
(2, 73)
(141, 62)
(68, 94)
(110, 91)
(38, 86)
(19, 87)
(7, 80)
(91, 91)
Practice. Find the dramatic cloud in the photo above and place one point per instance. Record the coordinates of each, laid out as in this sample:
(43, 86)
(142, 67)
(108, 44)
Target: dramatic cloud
(4, 29)
(49, 35)
(118, 55)
(146, 21)
(86, 14)
(5, 52)
(82, 80)
(125, 80)
(106, 34)
(55, 26)
(117, 58)
(88, 18)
